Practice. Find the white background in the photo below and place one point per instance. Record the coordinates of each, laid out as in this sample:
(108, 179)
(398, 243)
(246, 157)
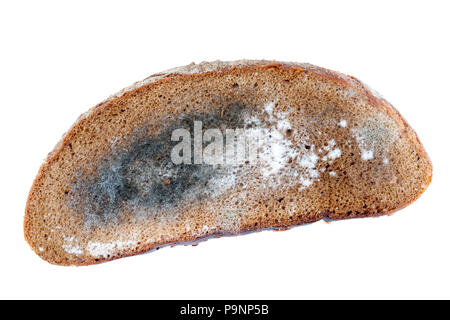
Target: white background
(59, 58)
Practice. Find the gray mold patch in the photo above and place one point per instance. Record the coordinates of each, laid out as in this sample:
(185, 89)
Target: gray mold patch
(144, 177)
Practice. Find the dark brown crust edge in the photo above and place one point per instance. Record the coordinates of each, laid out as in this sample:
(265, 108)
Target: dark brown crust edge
(348, 81)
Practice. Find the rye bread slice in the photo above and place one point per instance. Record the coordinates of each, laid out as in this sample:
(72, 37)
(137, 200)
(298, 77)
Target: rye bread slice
(109, 189)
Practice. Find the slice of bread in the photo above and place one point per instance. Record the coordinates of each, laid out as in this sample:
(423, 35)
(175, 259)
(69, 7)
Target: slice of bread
(111, 188)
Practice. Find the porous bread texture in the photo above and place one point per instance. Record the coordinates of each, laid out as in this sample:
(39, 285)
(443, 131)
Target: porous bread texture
(342, 152)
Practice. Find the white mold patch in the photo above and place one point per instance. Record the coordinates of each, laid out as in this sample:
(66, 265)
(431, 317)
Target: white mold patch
(366, 154)
(71, 246)
(102, 249)
(375, 138)
(309, 162)
(274, 149)
(333, 153)
(278, 155)
(349, 93)
(342, 123)
(372, 91)
(365, 145)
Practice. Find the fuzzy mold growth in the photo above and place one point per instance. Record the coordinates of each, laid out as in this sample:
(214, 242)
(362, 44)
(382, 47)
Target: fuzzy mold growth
(143, 175)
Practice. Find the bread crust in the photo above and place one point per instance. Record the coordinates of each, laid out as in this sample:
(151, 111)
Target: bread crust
(210, 69)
